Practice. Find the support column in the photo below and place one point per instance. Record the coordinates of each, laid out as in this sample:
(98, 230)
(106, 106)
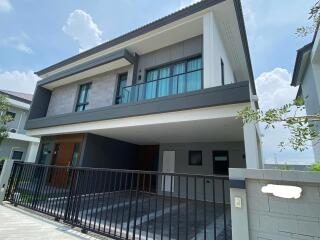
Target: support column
(209, 51)
(4, 178)
(238, 202)
(32, 152)
(252, 146)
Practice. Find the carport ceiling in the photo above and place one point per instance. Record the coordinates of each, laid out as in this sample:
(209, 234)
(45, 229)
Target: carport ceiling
(212, 130)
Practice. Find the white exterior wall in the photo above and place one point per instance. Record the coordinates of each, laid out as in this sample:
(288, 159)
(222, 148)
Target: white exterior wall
(311, 93)
(213, 52)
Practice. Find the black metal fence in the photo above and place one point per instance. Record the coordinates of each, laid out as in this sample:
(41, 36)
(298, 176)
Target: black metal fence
(126, 204)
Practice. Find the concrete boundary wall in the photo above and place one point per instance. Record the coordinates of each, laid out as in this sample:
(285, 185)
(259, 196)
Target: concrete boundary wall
(266, 217)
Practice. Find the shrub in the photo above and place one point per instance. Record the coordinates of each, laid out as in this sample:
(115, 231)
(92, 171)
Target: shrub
(315, 167)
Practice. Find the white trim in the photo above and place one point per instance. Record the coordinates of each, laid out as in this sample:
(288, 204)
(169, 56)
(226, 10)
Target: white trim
(153, 119)
(22, 137)
(18, 104)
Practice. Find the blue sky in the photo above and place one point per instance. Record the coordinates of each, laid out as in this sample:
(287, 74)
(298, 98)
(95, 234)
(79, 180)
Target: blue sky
(35, 34)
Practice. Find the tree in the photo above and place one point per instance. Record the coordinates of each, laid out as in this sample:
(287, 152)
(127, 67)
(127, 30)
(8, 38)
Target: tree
(4, 118)
(314, 16)
(302, 128)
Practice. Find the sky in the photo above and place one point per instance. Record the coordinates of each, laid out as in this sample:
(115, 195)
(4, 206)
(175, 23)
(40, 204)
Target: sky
(35, 34)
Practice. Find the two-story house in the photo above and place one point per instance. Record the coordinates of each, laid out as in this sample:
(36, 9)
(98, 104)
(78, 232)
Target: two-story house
(18, 145)
(306, 75)
(163, 97)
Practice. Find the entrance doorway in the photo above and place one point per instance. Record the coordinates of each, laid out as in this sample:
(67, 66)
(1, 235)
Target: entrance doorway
(148, 160)
(66, 154)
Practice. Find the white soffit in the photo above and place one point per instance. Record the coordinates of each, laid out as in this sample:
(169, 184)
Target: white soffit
(220, 112)
(89, 73)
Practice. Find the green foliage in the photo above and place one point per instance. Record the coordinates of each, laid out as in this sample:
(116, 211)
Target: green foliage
(315, 167)
(4, 118)
(301, 127)
(314, 16)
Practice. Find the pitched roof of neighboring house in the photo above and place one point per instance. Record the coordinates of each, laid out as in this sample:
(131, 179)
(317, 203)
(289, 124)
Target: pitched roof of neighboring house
(19, 96)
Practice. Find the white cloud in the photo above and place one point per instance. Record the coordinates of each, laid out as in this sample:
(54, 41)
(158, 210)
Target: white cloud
(5, 6)
(17, 42)
(274, 90)
(18, 81)
(81, 27)
(185, 3)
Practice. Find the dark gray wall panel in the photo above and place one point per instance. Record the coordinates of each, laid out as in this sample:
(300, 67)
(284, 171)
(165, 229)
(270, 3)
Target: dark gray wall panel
(40, 103)
(103, 152)
(216, 96)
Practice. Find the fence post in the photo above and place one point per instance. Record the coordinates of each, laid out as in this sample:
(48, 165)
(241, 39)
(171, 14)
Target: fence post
(4, 178)
(238, 202)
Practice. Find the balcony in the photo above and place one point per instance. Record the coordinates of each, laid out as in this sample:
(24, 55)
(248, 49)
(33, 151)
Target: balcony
(163, 87)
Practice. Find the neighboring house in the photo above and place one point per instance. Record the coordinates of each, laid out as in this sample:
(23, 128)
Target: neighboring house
(163, 97)
(306, 75)
(18, 145)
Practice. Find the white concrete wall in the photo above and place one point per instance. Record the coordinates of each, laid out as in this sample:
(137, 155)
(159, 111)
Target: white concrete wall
(7, 146)
(311, 94)
(19, 120)
(266, 217)
(213, 52)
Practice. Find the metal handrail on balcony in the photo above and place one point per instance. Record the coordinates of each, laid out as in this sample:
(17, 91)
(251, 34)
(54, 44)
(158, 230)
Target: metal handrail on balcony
(177, 84)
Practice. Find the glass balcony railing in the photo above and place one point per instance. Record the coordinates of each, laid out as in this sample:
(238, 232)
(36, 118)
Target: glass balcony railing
(180, 83)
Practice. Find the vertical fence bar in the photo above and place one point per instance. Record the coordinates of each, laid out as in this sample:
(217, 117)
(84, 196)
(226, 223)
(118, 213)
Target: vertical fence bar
(204, 209)
(123, 204)
(136, 207)
(143, 190)
(149, 205)
(113, 199)
(130, 203)
(195, 208)
(103, 197)
(170, 217)
(187, 211)
(163, 198)
(224, 210)
(156, 203)
(118, 205)
(214, 208)
(178, 219)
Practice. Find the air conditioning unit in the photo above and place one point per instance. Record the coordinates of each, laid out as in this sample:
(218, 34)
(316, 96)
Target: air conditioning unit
(13, 130)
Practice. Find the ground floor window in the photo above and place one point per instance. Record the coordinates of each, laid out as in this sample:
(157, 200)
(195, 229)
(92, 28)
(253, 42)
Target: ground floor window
(195, 158)
(17, 155)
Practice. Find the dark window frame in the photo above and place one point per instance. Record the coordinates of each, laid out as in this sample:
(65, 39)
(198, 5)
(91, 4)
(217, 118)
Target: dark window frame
(222, 72)
(190, 155)
(15, 158)
(84, 104)
(118, 93)
(218, 171)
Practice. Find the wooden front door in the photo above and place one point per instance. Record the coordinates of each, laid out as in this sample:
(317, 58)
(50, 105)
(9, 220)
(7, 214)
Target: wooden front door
(62, 157)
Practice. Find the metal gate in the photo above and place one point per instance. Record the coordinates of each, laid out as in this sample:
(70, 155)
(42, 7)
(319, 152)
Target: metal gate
(126, 204)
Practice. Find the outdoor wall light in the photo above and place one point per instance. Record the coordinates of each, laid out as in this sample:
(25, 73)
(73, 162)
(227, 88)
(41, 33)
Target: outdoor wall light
(282, 191)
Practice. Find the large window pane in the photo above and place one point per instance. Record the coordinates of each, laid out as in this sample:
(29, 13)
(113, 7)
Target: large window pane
(194, 81)
(179, 78)
(194, 64)
(163, 85)
(83, 97)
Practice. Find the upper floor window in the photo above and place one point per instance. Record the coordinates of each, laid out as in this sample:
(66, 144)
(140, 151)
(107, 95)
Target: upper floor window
(222, 72)
(180, 77)
(122, 82)
(83, 96)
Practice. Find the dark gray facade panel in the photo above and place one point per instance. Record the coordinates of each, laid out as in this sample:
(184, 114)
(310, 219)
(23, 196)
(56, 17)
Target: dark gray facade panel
(40, 103)
(88, 65)
(103, 152)
(137, 32)
(216, 96)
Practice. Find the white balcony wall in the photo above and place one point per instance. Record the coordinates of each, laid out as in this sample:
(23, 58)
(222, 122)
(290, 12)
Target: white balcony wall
(213, 52)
